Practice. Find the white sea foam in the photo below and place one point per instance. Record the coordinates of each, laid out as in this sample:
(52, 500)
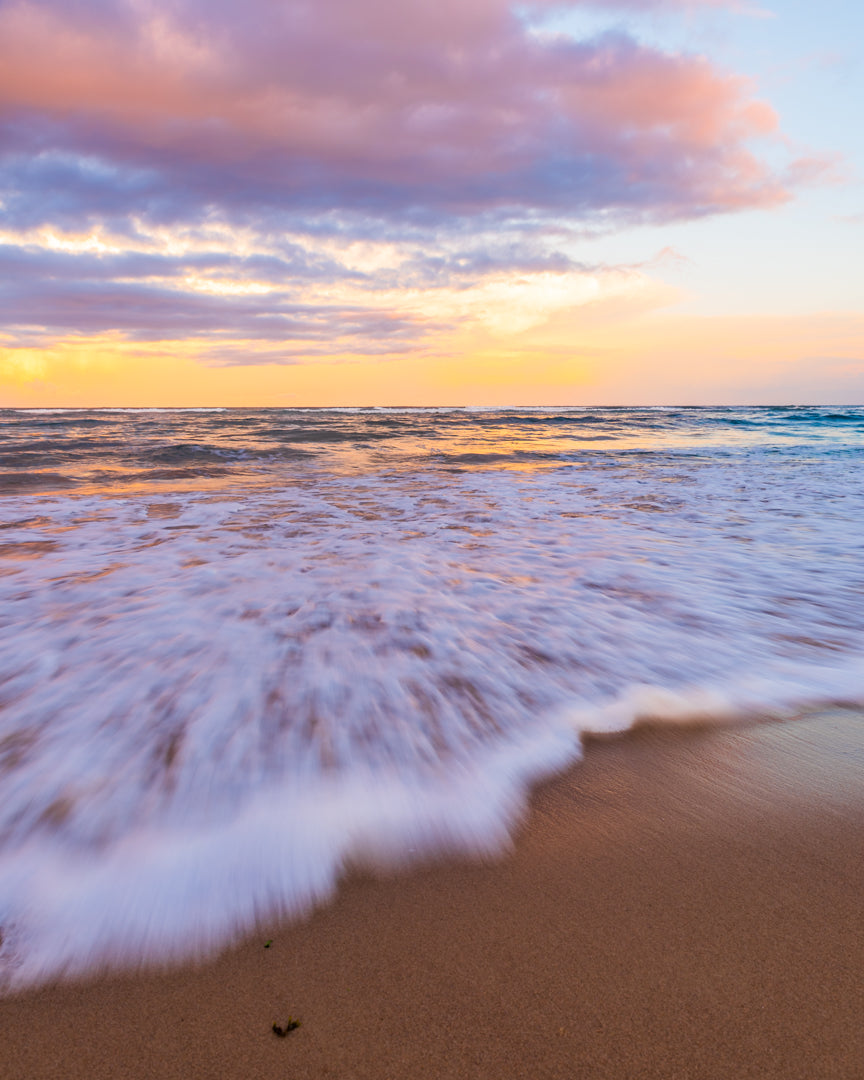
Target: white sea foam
(214, 700)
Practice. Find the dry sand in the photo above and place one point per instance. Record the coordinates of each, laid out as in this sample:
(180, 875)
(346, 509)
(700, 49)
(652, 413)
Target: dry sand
(680, 905)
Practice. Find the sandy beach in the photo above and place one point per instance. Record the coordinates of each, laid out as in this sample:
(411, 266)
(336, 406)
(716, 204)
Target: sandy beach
(682, 904)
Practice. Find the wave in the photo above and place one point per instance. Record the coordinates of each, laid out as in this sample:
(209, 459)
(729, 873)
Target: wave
(17, 483)
(192, 454)
(213, 701)
(170, 894)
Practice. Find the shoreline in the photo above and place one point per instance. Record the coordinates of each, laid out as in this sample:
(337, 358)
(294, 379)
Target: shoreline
(682, 903)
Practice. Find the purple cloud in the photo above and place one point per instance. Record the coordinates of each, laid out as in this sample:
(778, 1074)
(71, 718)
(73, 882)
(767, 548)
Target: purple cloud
(422, 125)
(378, 107)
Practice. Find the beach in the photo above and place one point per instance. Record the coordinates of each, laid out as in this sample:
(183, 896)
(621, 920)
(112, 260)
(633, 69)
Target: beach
(682, 903)
(431, 559)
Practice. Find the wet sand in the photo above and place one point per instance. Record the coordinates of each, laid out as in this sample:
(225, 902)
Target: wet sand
(682, 904)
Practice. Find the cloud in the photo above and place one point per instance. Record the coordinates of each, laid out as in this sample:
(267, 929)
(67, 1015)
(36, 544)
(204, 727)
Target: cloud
(55, 285)
(644, 5)
(302, 171)
(209, 296)
(380, 107)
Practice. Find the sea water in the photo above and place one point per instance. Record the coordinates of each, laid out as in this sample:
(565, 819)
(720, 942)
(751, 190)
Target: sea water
(242, 649)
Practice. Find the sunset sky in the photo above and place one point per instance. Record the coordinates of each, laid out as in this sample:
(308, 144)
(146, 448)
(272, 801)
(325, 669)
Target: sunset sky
(359, 202)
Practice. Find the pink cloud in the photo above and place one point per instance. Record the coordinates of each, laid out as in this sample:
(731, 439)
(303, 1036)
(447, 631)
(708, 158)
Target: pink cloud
(452, 105)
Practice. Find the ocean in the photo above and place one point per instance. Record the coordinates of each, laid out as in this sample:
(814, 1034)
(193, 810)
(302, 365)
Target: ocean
(243, 650)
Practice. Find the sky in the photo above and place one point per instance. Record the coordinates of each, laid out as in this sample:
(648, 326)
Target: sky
(408, 202)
